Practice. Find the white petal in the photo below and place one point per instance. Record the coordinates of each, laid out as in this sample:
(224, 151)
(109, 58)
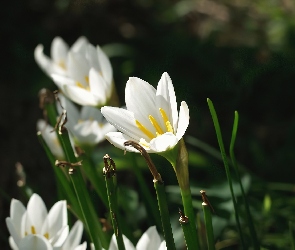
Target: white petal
(183, 121)
(62, 81)
(80, 247)
(91, 55)
(59, 50)
(80, 95)
(98, 86)
(12, 244)
(50, 139)
(78, 67)
(150, 240)
(124, 121)
(74, 237)
(17, 211)
(43, 61)
(87, 132)
(91, 113)
(57, 217)
(72, 111)
(105, 65)
(59, 238)
(163, 246)
(80, 45)
(163, 142)
(166, 99)
(35, 242)
(13, 231)
(140, 99)
(118, 139)
(36, 212)
(127, 243)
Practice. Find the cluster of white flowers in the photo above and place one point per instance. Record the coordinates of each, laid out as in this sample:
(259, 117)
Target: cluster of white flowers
(84, 75)
(35, 228)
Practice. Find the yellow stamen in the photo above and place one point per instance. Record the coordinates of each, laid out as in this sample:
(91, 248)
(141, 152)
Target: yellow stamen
(166, 120)
(144, 130)
(80, 85)
(33, 230)
(62, 64)
(169, 127)
(156, 125)
(46, 236)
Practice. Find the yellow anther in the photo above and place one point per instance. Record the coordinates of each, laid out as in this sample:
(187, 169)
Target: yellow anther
(144, 130)
(62, 64)
(169, 127)
(46, 236)
(33, 230)
(156, 125)
(80, 85)
(87, 79)
(166, 120)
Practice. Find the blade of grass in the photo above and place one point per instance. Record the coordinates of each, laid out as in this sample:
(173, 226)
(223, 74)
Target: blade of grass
(235, 165)
(209, 227)
(227, 170)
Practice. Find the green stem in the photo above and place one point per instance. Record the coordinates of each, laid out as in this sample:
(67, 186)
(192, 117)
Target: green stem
(90, 218)
(165, 218)
(61, 178)
(209, 227)
(225, 162)
(113, 206)
(235, 165)
(186, 228)
(148, 199)
(95, 179)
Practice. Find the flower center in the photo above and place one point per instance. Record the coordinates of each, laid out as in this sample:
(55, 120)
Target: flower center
(62, 64)
(84, 86)
(159, 130)
(33, 231)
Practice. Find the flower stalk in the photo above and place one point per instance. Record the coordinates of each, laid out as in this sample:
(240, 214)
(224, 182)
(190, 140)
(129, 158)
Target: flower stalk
(178, 157)
(207, 209)
(109, 172)
(161, 195)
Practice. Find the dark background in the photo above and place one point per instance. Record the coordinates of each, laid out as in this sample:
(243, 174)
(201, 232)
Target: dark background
(239, 54)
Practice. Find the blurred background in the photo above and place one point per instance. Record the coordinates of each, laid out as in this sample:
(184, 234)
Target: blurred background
(239, 53)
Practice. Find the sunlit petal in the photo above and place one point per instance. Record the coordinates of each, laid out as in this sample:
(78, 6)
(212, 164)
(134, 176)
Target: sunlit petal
(74, 236)
(183, 120)
(150, 240)
(118, 139)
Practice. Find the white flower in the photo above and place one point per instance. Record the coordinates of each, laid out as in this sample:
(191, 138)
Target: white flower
(151, 118)
(51, 139)
(89, 78)
(34, 228)
(87, 126)
(59, 54)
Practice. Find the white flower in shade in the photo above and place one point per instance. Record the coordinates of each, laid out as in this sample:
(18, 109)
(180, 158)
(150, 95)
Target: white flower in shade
(87, 126)
(51, 139)
(150, 240)
(151, 118)
(73, 240)
(89, 78)
(57, 64)
(35, 228)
